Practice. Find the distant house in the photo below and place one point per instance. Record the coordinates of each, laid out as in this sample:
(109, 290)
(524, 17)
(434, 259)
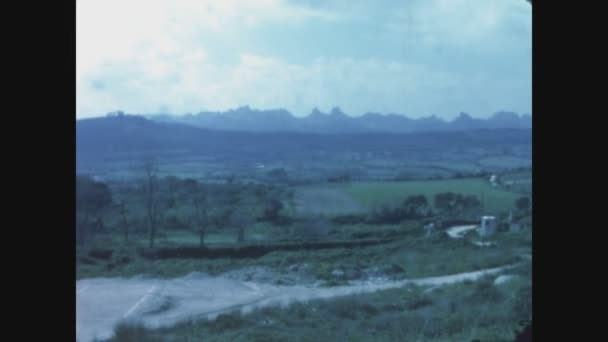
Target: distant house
(494, 180)
(429, 228)
(487, 226)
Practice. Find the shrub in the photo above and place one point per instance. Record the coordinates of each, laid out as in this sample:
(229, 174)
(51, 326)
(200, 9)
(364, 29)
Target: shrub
(418, 301)
(349, 306)
(312, 227)
(349, 219)
(226, 322)
(485, 291)
(522, 305)
(130, 332)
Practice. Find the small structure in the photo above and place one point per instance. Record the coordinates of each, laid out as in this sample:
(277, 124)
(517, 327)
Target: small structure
(493, 180)
(488, 225)
(429, 228)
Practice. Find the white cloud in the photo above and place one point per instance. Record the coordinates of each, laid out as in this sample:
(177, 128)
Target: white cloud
(266, 82)
(141, 56)
(462, 23)
(155, 41)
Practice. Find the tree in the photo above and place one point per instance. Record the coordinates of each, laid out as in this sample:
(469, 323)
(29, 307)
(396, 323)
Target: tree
(278, 175)
(272, 210)
(201, 214)
(92, 198)
(149, 189)
(445, 201)
(240, 219)
(122, 208)
(522, 203)
(415, 206)
(452, 203)
(469, 202)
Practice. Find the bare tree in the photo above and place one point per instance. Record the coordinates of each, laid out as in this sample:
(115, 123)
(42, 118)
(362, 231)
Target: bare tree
(151, 198)
(201, 215)
(122, 208)
(240, 219)
(92, 198)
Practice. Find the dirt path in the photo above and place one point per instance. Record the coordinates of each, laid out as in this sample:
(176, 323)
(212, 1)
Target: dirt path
(102, 302)
(458, 232)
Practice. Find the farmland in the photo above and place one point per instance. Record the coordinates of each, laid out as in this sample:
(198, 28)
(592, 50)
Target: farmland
(360, 196)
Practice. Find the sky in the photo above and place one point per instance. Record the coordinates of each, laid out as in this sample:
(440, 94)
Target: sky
(412, 57)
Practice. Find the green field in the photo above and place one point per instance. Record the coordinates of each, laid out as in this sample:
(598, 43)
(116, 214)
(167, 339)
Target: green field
(373, 194)
(519, 182)
(517, 176)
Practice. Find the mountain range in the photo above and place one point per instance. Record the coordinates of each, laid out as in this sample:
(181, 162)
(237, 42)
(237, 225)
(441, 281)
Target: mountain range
(336, 121)
(120, 135)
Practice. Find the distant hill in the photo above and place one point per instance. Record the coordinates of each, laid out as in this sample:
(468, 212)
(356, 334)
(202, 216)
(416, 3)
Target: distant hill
(119, 135)
(275, 120)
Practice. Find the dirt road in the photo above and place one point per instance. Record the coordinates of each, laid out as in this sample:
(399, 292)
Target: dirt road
(101, 303)
(458, 232)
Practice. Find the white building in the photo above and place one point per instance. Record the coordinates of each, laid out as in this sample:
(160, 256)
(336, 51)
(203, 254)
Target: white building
(429, 228)
(488, 225)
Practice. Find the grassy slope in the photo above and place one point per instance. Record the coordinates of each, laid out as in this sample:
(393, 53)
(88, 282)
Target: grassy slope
(459, 312)
(414, 255)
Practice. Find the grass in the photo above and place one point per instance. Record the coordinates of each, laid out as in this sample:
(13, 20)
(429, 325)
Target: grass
(328, 200)
(523, 175)
(504, 161)
(458, 312)
(411, 256)
(179, 237)
(372, 194)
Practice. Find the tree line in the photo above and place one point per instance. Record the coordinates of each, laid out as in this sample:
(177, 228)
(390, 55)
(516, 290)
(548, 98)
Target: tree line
(153, 203)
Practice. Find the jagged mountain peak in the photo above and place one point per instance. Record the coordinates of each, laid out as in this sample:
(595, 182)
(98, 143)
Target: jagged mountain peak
(245, 118)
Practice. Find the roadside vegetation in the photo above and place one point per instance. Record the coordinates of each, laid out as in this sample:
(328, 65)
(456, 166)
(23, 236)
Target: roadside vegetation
(466, 311)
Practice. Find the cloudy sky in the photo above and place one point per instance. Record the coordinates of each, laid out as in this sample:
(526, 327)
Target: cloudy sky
(414, 57)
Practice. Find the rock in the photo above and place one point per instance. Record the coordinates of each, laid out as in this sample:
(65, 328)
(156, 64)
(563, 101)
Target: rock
(394, 269)
(337, 273)
(256, 274)
(503, 279)
(352, 274)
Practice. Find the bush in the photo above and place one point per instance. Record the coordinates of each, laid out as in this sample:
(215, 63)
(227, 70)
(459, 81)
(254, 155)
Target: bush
(349, 219)
(103, 254)
(485, 291)
(418, 301)
(312, 227)
(522, 305)
(349, 307)
(227, 322)
(129, 332)
(267, 336)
